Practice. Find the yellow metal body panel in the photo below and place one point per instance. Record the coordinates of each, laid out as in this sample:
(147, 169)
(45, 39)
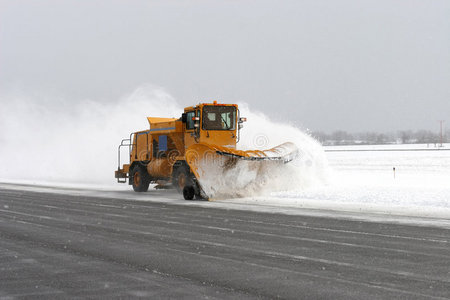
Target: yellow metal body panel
(159, 168)
(144, 146)
(164, 125)
(141, 149)
(156, 120)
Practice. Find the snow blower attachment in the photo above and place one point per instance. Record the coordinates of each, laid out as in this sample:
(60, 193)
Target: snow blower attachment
(184, 152)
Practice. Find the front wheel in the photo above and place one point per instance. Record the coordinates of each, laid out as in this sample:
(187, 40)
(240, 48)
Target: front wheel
(183, 180)
(140, 178)
(188, 192)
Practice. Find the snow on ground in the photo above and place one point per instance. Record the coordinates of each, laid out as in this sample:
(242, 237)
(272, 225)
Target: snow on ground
(364, 181)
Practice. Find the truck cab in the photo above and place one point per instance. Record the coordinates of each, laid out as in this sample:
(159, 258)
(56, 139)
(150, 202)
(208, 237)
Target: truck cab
(215, 124)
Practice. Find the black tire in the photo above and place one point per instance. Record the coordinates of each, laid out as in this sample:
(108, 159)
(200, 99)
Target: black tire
(140, 178)
(181, 177)
(188, 192)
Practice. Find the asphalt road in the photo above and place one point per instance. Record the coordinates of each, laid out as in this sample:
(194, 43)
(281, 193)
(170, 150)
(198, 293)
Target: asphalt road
(66, 246)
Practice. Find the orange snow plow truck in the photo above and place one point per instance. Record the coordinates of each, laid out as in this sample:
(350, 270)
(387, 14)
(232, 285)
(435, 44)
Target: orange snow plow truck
(179, 152)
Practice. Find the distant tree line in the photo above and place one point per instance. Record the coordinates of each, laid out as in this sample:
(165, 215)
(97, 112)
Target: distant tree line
(341, 137)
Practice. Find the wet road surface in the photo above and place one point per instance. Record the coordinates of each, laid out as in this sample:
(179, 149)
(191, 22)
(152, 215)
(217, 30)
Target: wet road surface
(66, 246)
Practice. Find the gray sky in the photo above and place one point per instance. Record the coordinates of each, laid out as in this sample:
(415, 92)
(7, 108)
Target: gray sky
(324, 65)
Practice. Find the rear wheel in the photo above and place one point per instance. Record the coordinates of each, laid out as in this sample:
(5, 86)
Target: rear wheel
(140, 178)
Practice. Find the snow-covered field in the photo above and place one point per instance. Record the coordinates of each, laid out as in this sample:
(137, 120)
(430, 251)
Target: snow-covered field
(363, 179)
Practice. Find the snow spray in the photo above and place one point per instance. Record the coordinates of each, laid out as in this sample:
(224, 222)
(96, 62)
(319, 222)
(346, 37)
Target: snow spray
(254, 178)
(56, 140)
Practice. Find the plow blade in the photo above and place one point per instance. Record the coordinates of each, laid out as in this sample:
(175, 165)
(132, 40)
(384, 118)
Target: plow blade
(218, 169)
(284, 152)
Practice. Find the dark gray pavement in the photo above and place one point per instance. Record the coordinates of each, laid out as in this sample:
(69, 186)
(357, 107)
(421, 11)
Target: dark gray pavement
(66, 246)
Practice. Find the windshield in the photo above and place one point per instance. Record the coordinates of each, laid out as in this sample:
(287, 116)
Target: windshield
(219, 117)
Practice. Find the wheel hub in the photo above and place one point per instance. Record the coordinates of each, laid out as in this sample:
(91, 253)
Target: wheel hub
(136, 179)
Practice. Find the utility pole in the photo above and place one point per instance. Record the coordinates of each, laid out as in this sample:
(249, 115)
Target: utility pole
(441, 122)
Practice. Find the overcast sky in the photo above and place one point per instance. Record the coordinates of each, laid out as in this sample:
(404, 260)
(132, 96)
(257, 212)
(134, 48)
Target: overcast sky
(324, 65)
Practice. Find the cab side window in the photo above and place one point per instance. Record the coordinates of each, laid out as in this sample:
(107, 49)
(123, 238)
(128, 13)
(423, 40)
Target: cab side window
(189, 121)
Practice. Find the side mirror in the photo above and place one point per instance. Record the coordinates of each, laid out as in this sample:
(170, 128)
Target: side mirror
(183, 118)
(241, 121)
